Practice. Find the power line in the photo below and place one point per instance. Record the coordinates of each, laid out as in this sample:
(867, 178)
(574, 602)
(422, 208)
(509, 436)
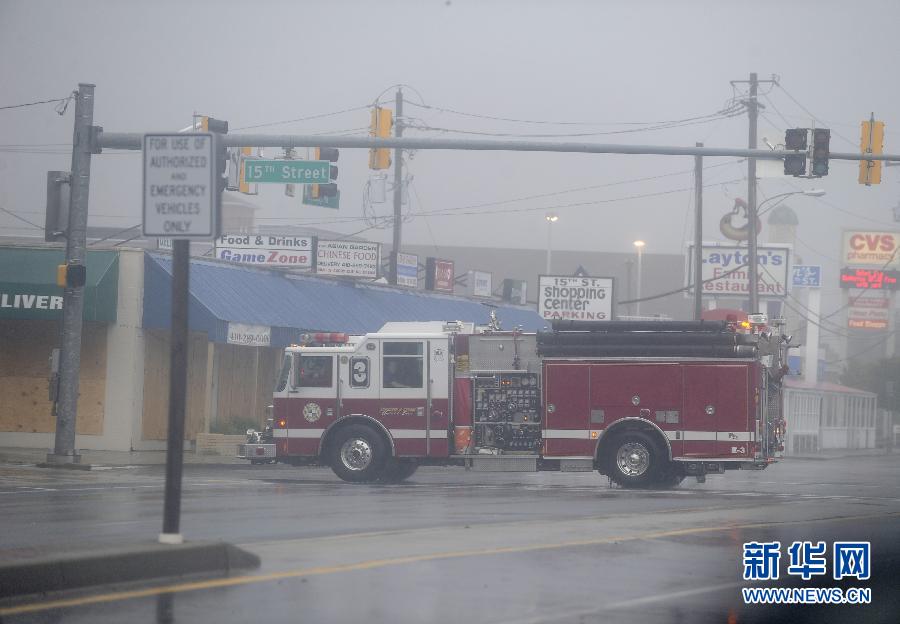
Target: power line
(808, 112)
(22, 219)
(307, 118)
(11, 106)
(453, 211)
(562, 123)
(574, 134)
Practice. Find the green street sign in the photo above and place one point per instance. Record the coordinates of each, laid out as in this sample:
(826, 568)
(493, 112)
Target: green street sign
(323, 202)
(287, 171)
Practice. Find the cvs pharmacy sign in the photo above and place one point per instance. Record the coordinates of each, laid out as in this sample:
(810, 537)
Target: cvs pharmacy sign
(871, 248)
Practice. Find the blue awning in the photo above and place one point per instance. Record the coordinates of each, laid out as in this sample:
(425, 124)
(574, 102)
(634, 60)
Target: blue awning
(223, 293)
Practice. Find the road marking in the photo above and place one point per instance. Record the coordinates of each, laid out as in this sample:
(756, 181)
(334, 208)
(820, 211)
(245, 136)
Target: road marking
(398, 561)
(625, 604)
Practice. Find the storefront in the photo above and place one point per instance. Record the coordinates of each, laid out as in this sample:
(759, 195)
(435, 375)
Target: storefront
(30, 319)
(240, 320)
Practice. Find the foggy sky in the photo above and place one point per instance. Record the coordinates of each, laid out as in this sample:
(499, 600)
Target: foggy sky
(156, 63)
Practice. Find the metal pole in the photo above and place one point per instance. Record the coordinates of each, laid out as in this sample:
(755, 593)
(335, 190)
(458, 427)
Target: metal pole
(398, 184)
(751, 200)
(698, 234)
(637, 311)
(73, 298)
(181, 251)
(549, 244)
(811, 372)
(132, 141)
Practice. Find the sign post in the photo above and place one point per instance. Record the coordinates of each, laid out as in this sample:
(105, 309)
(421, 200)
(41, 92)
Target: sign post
(181, 200)
(810, 276)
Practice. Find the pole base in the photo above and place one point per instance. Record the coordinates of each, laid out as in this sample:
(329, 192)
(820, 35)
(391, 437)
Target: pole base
(63, 458)
(171, 538)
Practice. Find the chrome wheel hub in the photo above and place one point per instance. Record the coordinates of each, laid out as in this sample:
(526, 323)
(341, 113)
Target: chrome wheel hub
(356, 454)
(633, 459)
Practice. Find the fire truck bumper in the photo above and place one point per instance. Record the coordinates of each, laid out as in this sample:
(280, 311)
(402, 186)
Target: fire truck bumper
(759, 464)
(256, 451)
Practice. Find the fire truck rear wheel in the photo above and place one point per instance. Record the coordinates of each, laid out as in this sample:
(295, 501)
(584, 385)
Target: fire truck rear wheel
(635, 460)
(397, 470)
(358, 454)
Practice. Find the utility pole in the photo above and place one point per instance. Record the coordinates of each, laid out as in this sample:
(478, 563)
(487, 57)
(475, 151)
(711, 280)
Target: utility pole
(753, 113)
(398, 184)
(73, 296)
(753, 106)
(698, 234)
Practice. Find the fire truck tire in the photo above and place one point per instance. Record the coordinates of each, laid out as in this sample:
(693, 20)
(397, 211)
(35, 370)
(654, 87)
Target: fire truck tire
(358, 454)
(635, 460)
(397, 470)
(670, 479)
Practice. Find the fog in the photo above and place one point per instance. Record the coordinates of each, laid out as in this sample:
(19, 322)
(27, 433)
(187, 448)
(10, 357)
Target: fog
(604, 63)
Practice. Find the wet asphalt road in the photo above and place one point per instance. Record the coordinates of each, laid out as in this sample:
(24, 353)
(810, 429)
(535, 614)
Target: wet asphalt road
(456, 546)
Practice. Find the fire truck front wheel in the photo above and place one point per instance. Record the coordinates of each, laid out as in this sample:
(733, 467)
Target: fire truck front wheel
(634, 460)
(358, 454)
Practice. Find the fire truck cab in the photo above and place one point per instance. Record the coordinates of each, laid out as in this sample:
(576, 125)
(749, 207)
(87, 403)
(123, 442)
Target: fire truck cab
(644, 403)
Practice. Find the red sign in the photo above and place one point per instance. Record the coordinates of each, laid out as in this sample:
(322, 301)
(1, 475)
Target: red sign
(439, 275)
(874, 279)
(868, 312)
(871, 248)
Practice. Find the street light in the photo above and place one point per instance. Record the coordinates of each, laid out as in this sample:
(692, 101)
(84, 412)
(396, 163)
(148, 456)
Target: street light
(809, 193)
(752, 215)
(640, 251)
(551, 218)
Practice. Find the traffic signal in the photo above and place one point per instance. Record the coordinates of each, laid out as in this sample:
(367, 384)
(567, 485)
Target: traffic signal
(795, 139)
(330, 154)
(871, 142)
(820, 151)
(218, 126)
(71, 275)
(382, 123)
(211, 124)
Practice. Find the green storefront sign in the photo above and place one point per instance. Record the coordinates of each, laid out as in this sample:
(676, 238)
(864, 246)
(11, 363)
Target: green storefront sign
(28, 287)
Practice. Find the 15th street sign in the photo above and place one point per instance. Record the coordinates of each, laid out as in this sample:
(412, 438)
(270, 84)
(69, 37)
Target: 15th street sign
(807, 276)
(287, 171)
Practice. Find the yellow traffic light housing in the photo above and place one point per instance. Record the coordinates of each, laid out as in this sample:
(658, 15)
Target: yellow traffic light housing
(871, 142)
(382, 124)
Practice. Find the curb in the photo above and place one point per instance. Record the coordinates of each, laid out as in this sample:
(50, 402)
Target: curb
(132, 563)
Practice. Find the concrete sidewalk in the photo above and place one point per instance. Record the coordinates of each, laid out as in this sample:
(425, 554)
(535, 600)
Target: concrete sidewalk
(14, 455)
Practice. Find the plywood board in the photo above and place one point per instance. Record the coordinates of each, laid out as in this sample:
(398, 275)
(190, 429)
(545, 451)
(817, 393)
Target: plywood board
(25, 369)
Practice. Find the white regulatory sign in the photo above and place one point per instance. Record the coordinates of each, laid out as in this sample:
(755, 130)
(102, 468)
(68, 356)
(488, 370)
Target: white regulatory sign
(179, 185)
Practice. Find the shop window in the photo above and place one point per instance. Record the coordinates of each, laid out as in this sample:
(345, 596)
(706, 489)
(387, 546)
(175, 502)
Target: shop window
(314, 371)
(402, 365)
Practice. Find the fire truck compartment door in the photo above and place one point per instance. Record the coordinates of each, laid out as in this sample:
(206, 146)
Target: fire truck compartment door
(649, 391)
(716, 411)
(567, 414)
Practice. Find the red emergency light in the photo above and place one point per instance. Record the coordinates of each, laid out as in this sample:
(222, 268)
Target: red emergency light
(323, 338)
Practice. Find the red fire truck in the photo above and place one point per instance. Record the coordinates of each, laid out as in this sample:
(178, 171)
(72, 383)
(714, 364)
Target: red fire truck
(646, 403)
